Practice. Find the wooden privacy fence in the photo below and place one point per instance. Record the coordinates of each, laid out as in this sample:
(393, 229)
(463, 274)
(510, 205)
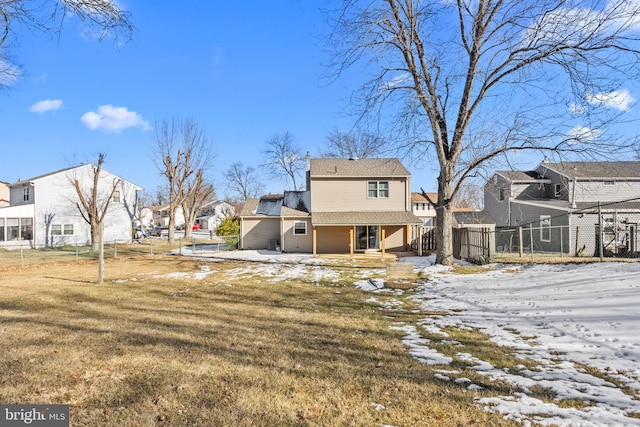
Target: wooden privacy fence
(472, 244)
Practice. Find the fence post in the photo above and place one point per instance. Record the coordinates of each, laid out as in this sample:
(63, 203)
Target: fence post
(531, 239)
(561, 242)
(151, 246)
(600, 233)
(577, 240)
(115, 248)
(21, 257)
(520, 242)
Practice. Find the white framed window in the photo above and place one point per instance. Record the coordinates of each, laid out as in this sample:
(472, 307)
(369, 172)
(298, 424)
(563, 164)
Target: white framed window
(62, 229)
(556, 190)
(502, 194)
(116, 196)
(378, 189)
(56, 229)
(300, 228)
(545, 228)
(25, 194)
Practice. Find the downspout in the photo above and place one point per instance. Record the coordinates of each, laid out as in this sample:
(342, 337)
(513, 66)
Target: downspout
(282, 234)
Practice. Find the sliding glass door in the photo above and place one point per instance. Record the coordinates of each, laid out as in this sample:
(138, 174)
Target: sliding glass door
(367, 237)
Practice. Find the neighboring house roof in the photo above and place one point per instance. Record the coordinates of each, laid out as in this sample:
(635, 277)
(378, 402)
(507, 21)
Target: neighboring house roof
(520, 176)
(419, 198)
(291, 203)
(596, 170)
(364, 218)
(39, 177)
(369, 168)
(471, 218)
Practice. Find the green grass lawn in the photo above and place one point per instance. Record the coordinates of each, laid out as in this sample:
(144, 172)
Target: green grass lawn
(154, 348)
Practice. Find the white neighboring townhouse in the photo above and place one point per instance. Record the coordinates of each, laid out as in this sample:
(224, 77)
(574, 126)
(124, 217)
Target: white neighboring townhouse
(43, 210)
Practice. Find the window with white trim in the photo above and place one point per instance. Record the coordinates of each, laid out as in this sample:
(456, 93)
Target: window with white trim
(62, 229)
(378, 189)
(25, 194)
(556, 190)
(300, 228)
(116, 196)
(545, 228)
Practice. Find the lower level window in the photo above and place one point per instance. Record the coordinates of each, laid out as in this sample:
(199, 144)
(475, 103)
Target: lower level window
(62, 229)
(300, 227)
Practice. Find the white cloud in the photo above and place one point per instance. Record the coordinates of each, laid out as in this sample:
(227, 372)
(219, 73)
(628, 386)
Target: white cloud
(580, 134)
(46, 105)
(114, 119)
(618, 99)
(9, 74)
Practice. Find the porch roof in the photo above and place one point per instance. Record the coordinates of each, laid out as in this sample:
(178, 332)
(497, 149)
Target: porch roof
(364, 218)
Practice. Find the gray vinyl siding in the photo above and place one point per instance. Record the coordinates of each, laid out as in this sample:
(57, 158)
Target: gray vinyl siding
(498, 209)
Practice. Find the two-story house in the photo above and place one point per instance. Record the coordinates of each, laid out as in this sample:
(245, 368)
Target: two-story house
(43, 210)
(349, 206)
(558, 198)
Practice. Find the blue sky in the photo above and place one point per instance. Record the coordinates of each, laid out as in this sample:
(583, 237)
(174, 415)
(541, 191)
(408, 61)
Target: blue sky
(243, 70)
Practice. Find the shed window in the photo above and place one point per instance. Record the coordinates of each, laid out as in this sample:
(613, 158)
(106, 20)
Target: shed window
(300, 227)
(545, 228)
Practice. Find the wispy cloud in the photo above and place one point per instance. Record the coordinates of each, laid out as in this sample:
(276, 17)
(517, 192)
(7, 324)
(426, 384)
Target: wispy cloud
(46, 105)
(618, 99)
(9, 74)
(583, 134)
(114, 119)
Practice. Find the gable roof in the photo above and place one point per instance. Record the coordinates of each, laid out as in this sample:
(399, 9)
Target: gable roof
(46, 175)
(361, 168)
(599, 170)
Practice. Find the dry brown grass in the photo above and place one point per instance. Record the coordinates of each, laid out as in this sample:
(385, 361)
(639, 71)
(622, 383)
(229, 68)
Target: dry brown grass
(146, 349)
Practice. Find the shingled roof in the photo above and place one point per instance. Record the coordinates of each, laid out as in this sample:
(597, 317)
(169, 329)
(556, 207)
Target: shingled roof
(596, 170)
(370, 168)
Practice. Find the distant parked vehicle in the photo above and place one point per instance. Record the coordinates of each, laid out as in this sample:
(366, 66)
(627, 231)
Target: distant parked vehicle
(139, 233)
(156, 231)
(196, 226)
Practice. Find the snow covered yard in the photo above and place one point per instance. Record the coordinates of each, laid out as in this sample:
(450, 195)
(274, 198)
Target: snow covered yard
(568, 318)
(578, 325)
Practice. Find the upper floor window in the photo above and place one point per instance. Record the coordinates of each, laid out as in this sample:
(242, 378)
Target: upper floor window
(378, 189)
(25, 194)
(116, 196)
(608, 183)
(556, 190)
(502, 194)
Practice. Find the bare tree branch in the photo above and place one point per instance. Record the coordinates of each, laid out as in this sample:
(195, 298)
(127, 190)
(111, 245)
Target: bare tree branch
(469, 82)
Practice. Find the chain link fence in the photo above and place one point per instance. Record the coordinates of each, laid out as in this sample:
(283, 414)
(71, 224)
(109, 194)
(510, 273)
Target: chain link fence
(21, 253)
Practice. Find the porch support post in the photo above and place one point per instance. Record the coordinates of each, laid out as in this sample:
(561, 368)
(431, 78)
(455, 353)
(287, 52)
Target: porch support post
(351, 242)
(314, 238)
(408, 241)
(382, 241)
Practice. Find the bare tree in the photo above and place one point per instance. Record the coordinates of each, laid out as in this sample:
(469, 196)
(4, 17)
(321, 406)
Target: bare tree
(283, 158)
(101, 18)
(93, 205)
(468, 82)
(353, 145)
(184, 150)
(242, 182)
(197, 193)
